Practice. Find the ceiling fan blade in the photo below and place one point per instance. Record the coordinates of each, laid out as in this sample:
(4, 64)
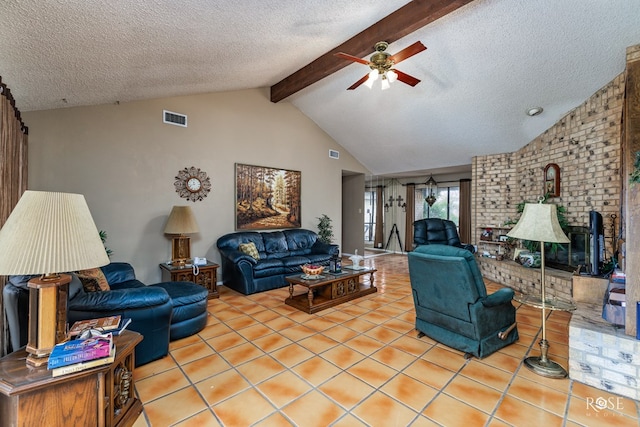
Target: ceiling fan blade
(359, 82)
(406, 78)
(351, 58)
(408, 52)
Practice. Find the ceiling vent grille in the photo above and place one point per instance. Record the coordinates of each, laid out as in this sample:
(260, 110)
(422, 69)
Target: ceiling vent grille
(334, 154)
(174, 118)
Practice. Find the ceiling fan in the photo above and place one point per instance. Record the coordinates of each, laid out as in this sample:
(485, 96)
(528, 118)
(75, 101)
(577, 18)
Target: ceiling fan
(381, 64)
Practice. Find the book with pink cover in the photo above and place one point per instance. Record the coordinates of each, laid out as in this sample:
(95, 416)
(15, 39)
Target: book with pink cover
(81, 350)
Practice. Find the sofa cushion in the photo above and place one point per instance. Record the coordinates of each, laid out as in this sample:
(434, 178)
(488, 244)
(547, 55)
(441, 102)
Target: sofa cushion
(249, 249)
(275, 244)
(90, 284)
(95, 273)
(300, 241)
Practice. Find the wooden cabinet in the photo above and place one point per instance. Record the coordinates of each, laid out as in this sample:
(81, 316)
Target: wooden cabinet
(101, 396)
(206, 276)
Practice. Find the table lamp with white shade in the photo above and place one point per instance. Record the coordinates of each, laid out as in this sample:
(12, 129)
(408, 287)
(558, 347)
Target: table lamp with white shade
(181, 222)
(48, 234)
(539, 223)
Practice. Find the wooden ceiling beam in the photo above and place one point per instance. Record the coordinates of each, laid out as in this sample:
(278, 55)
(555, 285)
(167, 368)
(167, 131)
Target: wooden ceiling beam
(402, 22)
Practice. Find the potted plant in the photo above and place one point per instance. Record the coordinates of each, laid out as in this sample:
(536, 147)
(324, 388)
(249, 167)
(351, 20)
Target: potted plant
(325, 229)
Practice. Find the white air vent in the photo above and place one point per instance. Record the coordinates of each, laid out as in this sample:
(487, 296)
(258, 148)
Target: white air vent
(334, 154)
(174, 118)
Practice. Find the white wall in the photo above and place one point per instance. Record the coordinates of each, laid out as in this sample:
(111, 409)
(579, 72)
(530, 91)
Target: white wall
(124, 160)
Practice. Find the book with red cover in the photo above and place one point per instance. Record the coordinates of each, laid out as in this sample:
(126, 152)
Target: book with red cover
(82, 350)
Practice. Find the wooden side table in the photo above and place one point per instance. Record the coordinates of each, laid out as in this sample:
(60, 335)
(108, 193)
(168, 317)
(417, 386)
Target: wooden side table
(207, 276)
(100, 396)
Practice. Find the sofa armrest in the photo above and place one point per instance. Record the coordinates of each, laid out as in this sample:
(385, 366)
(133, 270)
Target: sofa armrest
(236, 256)
(119, 300)
(499, 297)
(324, 248)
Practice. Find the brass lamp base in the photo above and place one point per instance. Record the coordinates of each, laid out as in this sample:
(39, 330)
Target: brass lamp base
(541, 365)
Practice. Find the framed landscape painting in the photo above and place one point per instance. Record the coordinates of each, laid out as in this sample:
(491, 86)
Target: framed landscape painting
(267, 198)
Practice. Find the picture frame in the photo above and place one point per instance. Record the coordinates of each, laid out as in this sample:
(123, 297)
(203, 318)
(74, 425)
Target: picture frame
(552, 180)
(267, 198)
(503, 238)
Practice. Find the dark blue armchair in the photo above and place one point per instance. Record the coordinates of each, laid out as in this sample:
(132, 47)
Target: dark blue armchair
(452, 305)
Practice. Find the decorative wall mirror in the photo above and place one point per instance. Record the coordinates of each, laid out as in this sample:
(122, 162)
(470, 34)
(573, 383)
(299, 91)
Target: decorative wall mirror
(552, 180)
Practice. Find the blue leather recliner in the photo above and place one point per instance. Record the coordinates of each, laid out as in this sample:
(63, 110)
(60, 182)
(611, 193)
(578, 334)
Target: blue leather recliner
(149, 307)
(437, 231)
(281, 253)
(452, 305)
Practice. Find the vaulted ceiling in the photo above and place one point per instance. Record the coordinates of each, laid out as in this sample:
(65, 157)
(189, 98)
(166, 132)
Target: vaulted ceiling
(486, 63)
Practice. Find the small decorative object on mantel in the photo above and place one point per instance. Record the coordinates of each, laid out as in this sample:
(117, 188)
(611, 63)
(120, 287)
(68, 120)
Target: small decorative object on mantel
(552, 180)
(487, 234)
(192, 184)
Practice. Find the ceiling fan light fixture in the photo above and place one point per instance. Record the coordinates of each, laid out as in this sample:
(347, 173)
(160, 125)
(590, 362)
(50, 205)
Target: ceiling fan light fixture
(392, 76)
(385, 83)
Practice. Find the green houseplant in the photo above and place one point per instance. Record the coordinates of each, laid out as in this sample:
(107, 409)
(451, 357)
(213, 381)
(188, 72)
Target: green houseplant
(103, 237)
(325, 229)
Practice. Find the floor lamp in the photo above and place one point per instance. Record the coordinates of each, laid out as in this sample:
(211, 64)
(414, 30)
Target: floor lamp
(45, 235)
(539, 223)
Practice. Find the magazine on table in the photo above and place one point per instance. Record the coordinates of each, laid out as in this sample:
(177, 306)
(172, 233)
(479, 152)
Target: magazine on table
(95, 346)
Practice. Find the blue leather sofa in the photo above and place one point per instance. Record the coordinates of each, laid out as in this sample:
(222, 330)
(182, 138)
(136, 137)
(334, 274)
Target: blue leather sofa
(149, 307)
(452, 305)
(281, 253)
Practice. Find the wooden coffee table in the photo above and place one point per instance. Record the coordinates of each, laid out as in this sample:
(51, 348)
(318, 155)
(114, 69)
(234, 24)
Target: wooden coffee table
(330, 289)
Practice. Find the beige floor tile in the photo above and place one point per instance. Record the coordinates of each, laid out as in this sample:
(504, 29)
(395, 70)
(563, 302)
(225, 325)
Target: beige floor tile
(279, 323)
(316, 370)
(502, 361)
(562, 385)
(283, 388)
(429, 373)
(346, 390)
(174, 407)
(453, 361)
(591, 414)
(201, 419)
(154, 368)
(191, 352)
(319, 324)
(233, 411)
(261, 368)
(226, 341)
(241, 322)
(266, 316)
(291, 355)
(383, 334)
(205, 367)
(342, 356)
(372, 372)
(412, 345)
(254, 332)
(616, 402)
(241, 354)
(222, 386)
(313, 410)
(160, 385)
(337, 316)
(318, 343)
(274, 420)
(393, 358)
(449, 411)
(539, 395)
(349, 421)
(409, 391)
(399, 325)
(297, 332)
(363, 344)
(517, 412)
(484, 398)
(379, 410)
(339, 333)
(493, 377)
(193, 339)
(271, 342)
(359, 325)
(214, 330)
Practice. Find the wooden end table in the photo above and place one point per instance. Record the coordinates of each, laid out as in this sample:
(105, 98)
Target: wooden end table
(100, 396)
(330, 289)
(207, 276)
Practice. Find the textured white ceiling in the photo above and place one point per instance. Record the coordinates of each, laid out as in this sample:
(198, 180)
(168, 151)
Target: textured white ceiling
(486, 63)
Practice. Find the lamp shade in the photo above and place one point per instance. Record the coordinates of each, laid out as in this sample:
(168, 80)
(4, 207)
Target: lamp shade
(539, 222)
(49, 233)
(181, 221)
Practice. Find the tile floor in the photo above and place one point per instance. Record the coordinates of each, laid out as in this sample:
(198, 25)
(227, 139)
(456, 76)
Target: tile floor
(260, 362)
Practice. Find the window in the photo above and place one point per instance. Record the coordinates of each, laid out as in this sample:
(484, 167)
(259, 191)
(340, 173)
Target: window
(447, 205)
(369, 215)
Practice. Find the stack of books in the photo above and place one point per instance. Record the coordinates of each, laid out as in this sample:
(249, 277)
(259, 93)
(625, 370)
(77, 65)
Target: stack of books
(90, 345)
(80, 354)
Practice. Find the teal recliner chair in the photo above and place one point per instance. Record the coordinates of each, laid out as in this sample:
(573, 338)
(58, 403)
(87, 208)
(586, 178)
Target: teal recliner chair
(452, 305)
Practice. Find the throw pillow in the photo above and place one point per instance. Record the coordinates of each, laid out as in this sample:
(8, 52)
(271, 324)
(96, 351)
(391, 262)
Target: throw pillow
(90, 284)
(249, 249)
(97, 274)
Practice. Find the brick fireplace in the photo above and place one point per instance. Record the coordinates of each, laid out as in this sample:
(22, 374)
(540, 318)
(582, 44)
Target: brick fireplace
(594, 158)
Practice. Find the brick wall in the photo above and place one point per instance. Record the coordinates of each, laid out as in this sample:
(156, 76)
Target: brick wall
(585, 144)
